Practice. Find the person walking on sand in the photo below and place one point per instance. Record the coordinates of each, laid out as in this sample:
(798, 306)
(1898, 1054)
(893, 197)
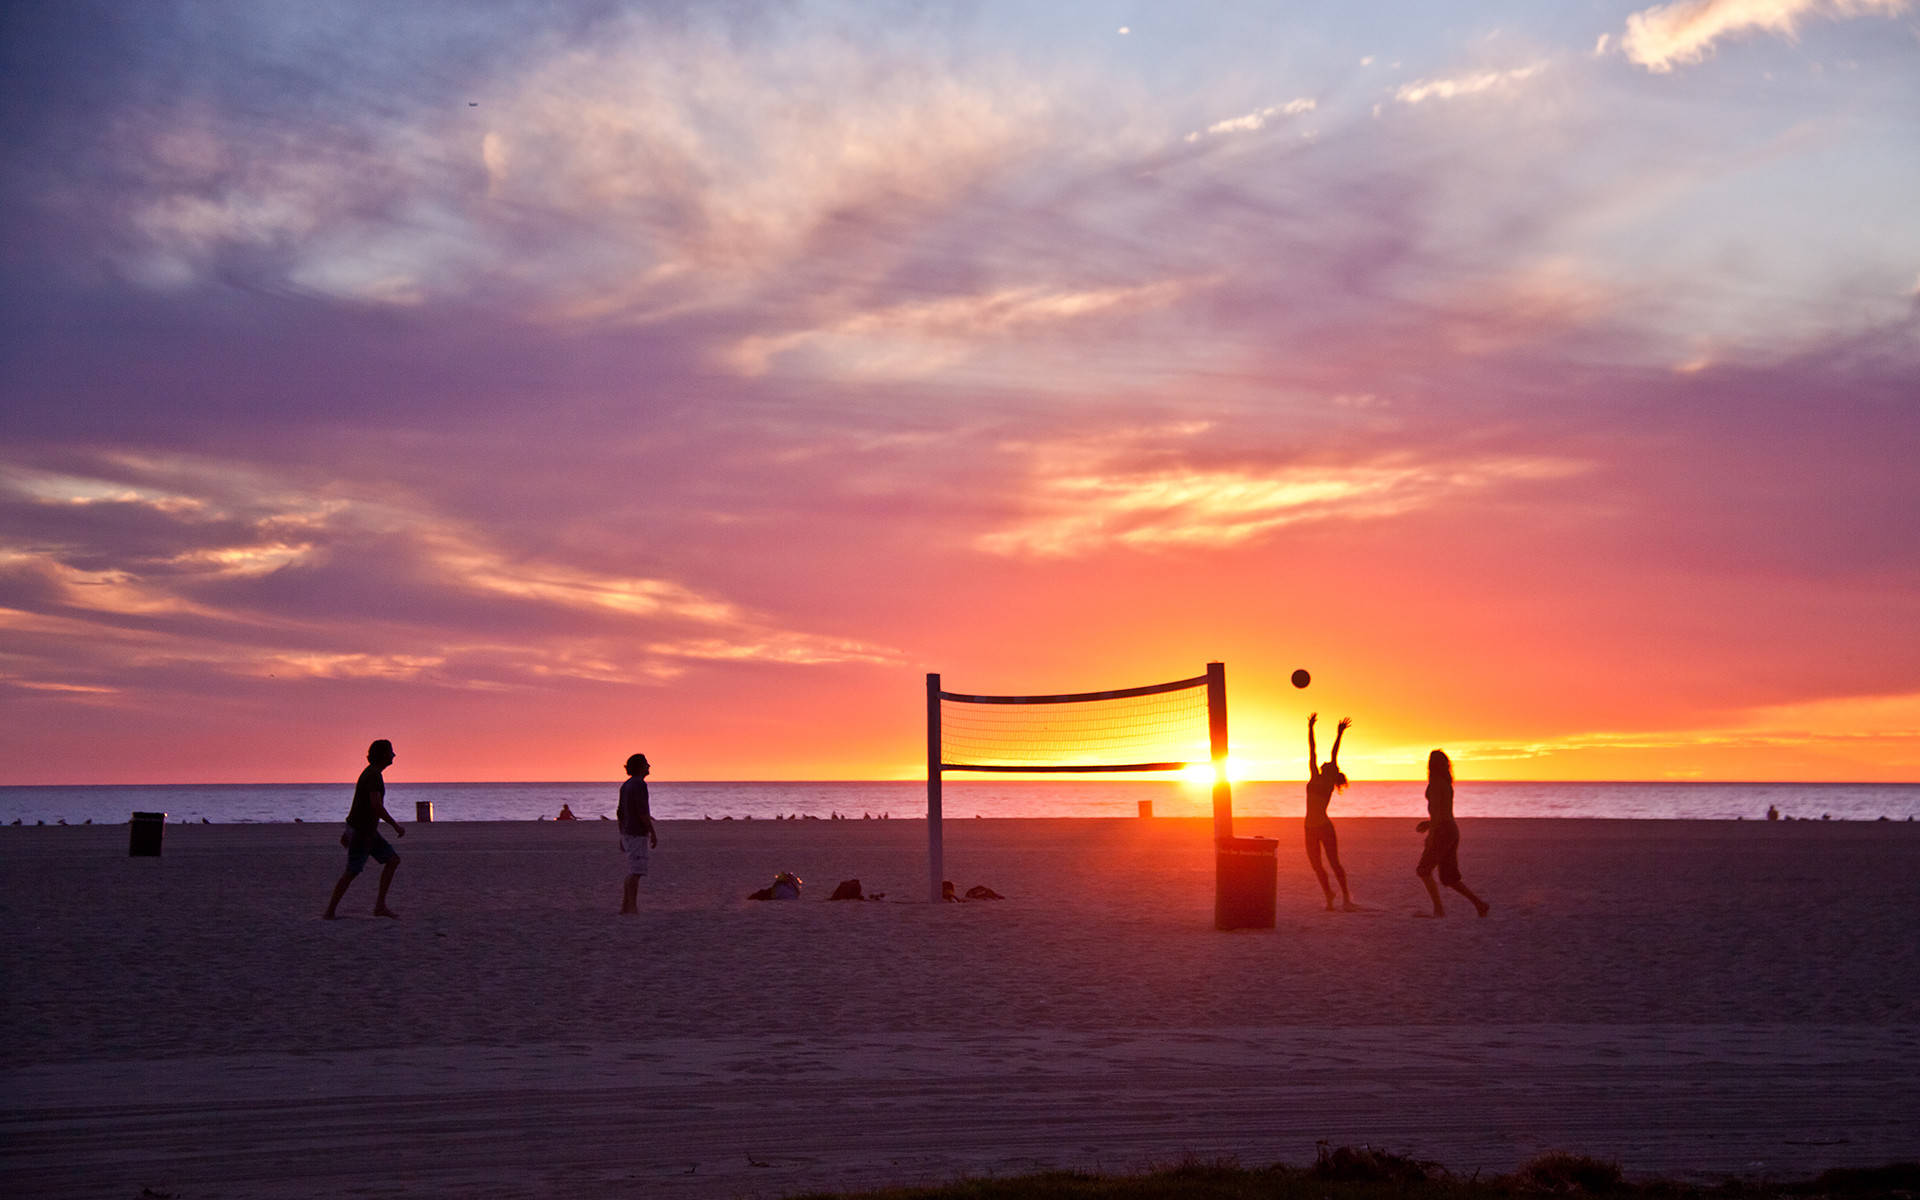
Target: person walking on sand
(362, 839)
(1442, 848)
(637, 835)
(1323, 780)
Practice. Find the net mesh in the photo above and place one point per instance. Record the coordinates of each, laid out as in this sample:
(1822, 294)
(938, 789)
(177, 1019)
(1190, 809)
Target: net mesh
(1166, 729)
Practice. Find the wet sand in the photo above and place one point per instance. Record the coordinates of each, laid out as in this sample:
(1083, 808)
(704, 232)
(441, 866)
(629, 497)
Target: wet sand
(1692, 998)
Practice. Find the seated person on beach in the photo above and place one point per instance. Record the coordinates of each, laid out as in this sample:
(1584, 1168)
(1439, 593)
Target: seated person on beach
(566, 814)
(1323, 780)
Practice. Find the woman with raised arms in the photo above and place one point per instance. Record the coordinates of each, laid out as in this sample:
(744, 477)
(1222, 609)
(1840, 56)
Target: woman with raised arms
(1323, 780)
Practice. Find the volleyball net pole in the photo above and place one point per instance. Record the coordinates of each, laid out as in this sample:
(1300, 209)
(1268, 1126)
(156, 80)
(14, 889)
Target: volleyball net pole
(934, 768)
(1217, 749)
(1125, 729)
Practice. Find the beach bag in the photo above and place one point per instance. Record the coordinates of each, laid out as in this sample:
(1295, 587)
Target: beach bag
(785, 886)
(849, 889)
(981, 891)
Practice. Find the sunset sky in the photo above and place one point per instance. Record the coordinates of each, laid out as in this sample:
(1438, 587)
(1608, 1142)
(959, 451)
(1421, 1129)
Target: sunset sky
(534, 383)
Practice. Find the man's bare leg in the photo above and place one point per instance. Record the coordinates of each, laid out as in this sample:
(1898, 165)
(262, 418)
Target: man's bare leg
(1480, 906)
(380, 908)
(630, 896)
(1426, 877)
(339, 890)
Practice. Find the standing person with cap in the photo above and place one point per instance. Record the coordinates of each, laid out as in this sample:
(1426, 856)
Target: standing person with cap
(637, 835)
(362, 838)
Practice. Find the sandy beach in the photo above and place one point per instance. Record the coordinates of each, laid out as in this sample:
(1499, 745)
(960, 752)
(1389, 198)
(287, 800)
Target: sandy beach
(1691, 998)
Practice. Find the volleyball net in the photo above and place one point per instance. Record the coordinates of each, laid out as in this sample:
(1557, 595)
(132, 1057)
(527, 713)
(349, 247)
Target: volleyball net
(1160, 727)
(1157, 727)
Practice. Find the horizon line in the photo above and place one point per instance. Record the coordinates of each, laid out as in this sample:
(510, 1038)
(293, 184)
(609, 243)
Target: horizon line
(1001, 780)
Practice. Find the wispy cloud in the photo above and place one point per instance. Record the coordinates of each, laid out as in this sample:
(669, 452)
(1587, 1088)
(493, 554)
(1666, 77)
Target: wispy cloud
(1255, 120)
(1884, 729)
(657, 168)
(211, 588)
(1667, 35)
(1085, 503)
(915, 339)
(1473, 84)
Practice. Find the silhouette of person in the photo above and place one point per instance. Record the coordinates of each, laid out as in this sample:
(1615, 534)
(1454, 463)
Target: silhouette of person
(1323, 780)
(1442, 849)
(637, 835)
(362, 839)
(566, 814)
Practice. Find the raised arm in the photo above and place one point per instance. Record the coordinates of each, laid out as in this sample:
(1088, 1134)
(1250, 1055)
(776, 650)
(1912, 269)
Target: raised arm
(1313, 756)
(1340, 731)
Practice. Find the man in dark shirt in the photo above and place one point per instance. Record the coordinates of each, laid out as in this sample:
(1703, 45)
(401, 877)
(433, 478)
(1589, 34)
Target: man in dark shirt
(636, 829)
(362, 839)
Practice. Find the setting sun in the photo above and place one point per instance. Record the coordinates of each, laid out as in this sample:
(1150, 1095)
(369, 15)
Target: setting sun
(1201, 774)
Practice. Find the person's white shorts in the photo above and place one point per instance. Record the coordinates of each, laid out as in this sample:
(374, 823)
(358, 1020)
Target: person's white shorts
(636, 848)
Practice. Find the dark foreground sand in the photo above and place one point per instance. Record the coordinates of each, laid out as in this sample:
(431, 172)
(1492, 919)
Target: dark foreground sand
(1699, 999)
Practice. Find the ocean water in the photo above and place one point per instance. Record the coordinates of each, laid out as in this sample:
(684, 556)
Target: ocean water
(224, 803)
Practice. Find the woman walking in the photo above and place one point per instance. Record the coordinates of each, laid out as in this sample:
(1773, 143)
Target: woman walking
(1443, 837)
(1323, 780)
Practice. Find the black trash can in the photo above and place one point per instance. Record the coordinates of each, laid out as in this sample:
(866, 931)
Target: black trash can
(144, 841)
(423, 811)
(1245, 870)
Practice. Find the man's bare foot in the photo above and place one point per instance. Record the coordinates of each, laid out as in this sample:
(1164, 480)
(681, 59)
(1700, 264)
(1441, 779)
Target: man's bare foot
(384, 911)
(629, 912)
(1435, 913)
(1349, 906)
(329, 915)
(1483, 906)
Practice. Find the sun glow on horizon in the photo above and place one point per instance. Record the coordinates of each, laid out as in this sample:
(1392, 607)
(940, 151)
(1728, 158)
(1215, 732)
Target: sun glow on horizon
(1203, 773)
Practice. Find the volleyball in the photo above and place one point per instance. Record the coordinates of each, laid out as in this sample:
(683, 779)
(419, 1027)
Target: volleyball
(1301, 678)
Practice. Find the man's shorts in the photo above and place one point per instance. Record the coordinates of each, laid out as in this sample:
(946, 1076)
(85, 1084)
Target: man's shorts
(636, 850)
(362, 846)
(1443, 851)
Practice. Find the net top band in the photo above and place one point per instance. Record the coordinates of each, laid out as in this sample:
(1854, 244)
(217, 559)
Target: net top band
(1067, 768)
(1080, 697)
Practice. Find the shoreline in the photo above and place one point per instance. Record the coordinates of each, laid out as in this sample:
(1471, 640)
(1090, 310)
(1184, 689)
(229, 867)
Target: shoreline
(172, 824)
(965, 799)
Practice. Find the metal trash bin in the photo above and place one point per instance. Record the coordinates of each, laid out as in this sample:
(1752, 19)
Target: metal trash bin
(147, 829)
(423, 811)
(1245, 874)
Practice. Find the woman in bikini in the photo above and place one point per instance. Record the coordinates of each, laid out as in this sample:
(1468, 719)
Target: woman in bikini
(1442, 849)
(1323, 780)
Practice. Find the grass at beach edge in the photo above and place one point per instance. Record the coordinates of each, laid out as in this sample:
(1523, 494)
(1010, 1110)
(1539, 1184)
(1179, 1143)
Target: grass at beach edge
(1350, 1173)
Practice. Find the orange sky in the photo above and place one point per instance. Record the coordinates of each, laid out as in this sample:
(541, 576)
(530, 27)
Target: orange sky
(695, 382)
